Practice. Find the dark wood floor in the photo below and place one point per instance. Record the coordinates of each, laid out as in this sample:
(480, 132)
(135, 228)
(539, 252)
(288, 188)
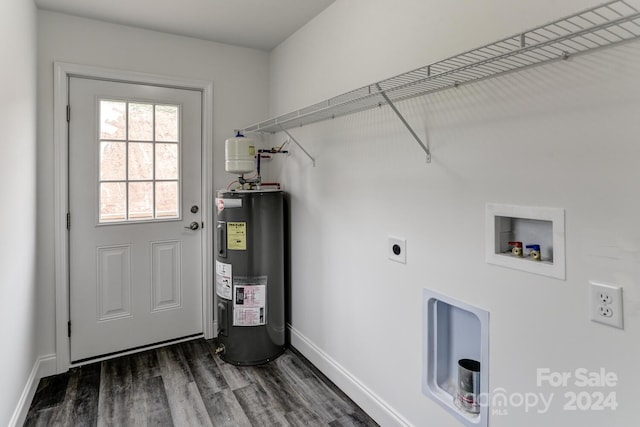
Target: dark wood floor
(187, 385)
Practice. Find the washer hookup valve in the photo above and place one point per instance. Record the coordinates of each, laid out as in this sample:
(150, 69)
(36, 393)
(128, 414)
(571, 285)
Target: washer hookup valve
(535, 252)
(517, 248)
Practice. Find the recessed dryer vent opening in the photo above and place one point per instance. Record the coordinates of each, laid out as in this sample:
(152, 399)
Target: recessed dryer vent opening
(456, 334)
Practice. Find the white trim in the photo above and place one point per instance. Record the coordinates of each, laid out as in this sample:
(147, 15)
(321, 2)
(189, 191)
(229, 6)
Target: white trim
(62, 71)
(370, 402)
(43, 367)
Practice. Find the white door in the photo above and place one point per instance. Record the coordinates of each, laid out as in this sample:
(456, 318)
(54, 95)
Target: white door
(135, 237)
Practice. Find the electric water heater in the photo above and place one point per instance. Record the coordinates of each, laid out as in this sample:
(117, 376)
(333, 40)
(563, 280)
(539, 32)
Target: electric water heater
(249, 281)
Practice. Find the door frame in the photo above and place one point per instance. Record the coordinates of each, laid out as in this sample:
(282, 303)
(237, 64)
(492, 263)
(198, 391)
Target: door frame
(62, 72)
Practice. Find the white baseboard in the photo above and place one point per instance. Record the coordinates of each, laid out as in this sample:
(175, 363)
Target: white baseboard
(44, 367)
(370, 402)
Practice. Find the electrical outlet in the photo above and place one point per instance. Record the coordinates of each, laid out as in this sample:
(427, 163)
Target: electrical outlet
(397, 249)
(605, 311)
(606, 304)
(605, 298)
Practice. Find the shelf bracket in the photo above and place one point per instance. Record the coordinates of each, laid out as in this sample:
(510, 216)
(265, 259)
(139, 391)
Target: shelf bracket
(424, 146)
(313, 161)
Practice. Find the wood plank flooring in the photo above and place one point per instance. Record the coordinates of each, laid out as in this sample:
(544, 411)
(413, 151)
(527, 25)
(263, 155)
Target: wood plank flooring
(187, 385)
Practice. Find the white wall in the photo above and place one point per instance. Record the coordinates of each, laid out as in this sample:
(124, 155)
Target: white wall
(563, 135)
(18, 199)
(240, 86)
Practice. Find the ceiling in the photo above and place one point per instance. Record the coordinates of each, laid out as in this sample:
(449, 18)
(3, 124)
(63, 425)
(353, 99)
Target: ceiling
(259, 24)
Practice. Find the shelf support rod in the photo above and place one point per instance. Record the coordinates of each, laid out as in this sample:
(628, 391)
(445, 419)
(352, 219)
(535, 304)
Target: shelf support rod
(313, 161)
(406, 124)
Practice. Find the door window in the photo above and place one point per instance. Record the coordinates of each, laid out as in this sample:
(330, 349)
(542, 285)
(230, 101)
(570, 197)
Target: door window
(139, 176)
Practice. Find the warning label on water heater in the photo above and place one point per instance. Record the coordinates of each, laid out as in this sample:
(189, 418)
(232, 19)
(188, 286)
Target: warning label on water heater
(223, 204)
(223, 279)
(250, 301)
(237, 236)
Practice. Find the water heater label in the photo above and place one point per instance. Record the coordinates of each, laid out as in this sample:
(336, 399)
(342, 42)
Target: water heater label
(223, 279)
(223, 204)
(237, 236)
(250, 301)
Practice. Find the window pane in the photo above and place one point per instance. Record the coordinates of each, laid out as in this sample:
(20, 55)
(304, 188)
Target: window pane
(140, 122)
(167, 199)
(112, 161)
(167, 123)
(140, 200)
(112, 120)
(112, 201)
(140, 160)
(140, 156)
(166, 161)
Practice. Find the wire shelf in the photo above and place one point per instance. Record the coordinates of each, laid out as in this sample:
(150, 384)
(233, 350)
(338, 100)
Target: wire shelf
(605, 25)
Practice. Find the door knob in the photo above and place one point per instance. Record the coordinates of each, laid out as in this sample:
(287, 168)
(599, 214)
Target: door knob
(193, 226)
